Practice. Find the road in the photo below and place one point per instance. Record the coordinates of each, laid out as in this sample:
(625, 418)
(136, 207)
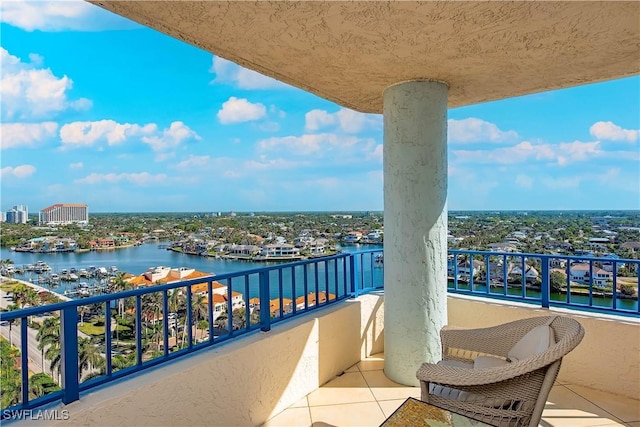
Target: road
(13, 334)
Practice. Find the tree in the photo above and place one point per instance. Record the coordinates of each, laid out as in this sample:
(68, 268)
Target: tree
(49, 339)
(41, 384)
(557, 281)
(199, 308)
(9, 374)
(120, 284)
(89, 356)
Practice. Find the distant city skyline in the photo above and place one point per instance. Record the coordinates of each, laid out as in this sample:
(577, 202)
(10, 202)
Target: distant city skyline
(99, 110)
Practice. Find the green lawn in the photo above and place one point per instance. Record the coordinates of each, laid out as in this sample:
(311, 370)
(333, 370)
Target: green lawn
(92, 329)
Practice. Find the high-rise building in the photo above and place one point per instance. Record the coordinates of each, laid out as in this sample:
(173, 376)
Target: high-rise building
(18, 215)
(64, 213)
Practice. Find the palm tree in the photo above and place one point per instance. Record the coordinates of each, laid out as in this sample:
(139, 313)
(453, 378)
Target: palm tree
(120, 284)
(9, 374)
(82, 310)
(89, 356)
(199, 308)
(151, 308)
(41, 384)
(49, 339)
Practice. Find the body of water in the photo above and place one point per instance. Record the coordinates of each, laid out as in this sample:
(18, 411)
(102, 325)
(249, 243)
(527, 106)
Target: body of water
(138, 259)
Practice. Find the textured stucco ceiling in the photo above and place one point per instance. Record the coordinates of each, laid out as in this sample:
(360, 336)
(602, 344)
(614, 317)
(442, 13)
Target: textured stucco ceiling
(349, 52)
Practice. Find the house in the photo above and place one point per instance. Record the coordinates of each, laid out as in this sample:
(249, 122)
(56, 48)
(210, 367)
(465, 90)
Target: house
(530, 273)
(352, 237)
(580, 273)
(274, 251)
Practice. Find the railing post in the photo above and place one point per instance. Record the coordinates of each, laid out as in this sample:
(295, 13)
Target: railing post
(265, 312)
(352, 275)
(69, 354)
(545, 286)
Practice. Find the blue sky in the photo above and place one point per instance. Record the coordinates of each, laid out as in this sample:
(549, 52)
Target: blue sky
(99, 110)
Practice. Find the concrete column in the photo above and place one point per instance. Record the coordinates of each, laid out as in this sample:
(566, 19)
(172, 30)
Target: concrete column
(415, 226)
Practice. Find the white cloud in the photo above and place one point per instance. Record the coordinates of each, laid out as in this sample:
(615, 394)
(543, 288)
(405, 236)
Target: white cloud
(60, 16)
(337, 149)
(562, 154)
(88, 133)
(579, 151)
(272, 164)
(194, 162)
(318, 119)
(237, 110)
(524, 181)
(612, 132)
(171, 137)
(140, 179)
(28, 92)
(26, 134)
(349, 121)
(303, 145)
(519, 153)
(477, 130)
(228, 72)
(78, 165)
(21, 171)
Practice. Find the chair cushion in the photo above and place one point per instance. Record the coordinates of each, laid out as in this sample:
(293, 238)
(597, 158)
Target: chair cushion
(535, 341)
(465, 396)
(482, 362)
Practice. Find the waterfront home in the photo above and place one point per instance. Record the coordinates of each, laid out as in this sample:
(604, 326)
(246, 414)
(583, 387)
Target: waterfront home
(580, 273)
(220, 295)
(274, 252)
(162, 274)
(557, 263)
(464, 270)
(243, 251)
(352, 237)
(530, 273)
(374, 236)
(165, 275)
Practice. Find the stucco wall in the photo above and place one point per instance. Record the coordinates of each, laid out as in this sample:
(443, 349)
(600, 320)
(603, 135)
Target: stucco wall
(608, 358)
(242, 383)
(248, 381)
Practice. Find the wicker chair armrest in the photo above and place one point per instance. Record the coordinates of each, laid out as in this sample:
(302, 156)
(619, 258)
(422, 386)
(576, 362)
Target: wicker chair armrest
(457, 376)
(492, 340)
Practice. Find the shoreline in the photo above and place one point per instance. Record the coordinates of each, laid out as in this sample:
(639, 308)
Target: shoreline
(5, 279)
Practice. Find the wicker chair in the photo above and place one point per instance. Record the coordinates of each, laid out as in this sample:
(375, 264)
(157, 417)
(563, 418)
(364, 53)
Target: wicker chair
(513, 394)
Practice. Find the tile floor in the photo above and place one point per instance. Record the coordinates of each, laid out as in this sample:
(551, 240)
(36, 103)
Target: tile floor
(363, 396)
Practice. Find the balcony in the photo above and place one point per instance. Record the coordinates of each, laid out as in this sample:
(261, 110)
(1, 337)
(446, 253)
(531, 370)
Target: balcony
(300, 358)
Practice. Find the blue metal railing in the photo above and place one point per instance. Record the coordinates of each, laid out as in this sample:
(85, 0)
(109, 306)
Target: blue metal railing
(230, 312)
(285, 291)
(576, 282)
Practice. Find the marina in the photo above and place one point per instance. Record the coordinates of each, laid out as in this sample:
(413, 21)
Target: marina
(83, 274)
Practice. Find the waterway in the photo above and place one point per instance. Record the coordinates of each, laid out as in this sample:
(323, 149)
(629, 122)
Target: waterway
(138, 259)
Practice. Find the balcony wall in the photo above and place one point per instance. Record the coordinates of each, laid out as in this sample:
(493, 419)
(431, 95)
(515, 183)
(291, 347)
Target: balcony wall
(244, 382)
(607, 359)
(248, 381)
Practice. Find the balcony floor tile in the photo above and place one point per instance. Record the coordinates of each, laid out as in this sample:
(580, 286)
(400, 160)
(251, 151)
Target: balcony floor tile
(624, 408)
(364, 396)
(345, 415)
